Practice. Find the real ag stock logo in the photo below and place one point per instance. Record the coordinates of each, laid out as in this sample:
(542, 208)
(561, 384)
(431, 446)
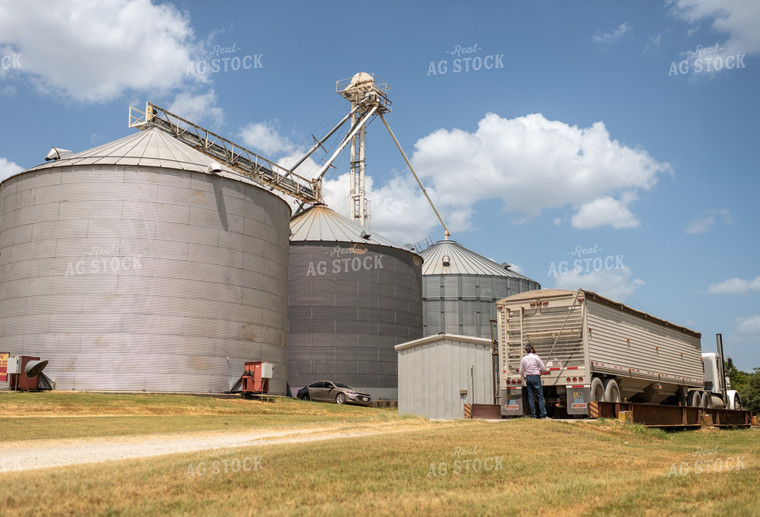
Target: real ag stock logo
(463, 59)
(706, 59)
(586, 260)
(225, 59)
(10, 61)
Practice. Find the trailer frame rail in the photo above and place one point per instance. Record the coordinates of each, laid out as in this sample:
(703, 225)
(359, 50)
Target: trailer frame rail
(655, 415)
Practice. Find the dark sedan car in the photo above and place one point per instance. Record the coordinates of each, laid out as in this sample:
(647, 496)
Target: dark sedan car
(328, 391)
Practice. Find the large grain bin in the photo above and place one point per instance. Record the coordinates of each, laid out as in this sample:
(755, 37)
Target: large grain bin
(460, 289)
(130, 267)
(353, 296)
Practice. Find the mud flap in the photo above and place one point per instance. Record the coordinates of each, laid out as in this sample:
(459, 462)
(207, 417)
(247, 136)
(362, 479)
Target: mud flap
(577, 400)
(513, 402)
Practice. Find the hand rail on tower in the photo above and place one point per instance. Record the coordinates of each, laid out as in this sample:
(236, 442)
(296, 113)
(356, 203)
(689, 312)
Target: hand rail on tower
(237, 158)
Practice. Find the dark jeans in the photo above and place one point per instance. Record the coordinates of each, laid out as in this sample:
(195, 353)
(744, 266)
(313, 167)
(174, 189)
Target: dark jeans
(533, 384)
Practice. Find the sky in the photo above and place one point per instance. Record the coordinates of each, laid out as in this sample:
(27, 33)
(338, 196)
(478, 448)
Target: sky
(609, 146)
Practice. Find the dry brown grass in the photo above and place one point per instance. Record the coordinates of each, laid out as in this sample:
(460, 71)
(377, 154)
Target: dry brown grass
(547, 468)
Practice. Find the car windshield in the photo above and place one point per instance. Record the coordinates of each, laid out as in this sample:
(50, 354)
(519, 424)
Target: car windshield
(346, 386)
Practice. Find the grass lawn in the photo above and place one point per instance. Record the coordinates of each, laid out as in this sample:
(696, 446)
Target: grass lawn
(516, 467)
(50, 415)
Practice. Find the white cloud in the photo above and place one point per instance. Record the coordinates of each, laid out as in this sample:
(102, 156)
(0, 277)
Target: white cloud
(708, 220)
(405, 217)
(529, 163)
(264, 137)
(749, 326)
(738, 19)
(612, 36)
(197, 108)
(735, 286)
(533, 164)
(95, 51)
(8, 169)
(606, 211)
(615, 284)
(654, 42)
(309, 169)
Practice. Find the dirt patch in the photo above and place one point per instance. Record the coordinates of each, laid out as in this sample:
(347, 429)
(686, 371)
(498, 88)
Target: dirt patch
(40, 454)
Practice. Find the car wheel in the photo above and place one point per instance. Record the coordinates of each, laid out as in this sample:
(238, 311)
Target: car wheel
(305, 397)
(340, 398)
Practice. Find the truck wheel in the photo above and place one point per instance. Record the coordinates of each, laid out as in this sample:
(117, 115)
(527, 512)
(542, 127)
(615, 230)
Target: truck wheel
(611, 391)
(706, 400)
(695, 399)
(597, 390)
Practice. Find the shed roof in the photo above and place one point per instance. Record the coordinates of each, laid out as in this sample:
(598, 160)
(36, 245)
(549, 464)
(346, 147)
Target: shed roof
(435, 338)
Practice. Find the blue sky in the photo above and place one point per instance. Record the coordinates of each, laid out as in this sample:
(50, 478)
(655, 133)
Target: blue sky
(601, 132)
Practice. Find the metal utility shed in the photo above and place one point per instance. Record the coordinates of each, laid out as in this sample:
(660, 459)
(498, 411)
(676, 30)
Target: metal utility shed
(438, 375)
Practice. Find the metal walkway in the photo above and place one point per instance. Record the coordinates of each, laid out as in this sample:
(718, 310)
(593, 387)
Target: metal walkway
(239, 159)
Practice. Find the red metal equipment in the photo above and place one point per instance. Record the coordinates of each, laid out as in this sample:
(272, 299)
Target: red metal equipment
(256, 377)
(24, 372)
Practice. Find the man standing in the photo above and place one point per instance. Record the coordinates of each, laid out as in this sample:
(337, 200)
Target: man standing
(530, 369)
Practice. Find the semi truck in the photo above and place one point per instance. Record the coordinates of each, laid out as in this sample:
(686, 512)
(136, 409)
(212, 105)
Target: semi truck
(597, 349)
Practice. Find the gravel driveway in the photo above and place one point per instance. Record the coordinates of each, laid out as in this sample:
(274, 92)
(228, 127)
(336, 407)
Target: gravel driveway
(40, 454)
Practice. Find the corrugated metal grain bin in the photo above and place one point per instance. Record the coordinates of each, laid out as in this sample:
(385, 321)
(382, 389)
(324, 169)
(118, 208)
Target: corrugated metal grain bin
(353, 296)
(460, 289)
(438, 375)
(130, 268)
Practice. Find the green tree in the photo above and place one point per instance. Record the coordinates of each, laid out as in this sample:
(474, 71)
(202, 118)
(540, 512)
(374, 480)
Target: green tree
(751, 397)
(747, 384)
(738, 379)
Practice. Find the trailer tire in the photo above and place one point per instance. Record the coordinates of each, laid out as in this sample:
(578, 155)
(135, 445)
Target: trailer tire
(611, 391)
(597, 390)
(695, 399)
(707, 402)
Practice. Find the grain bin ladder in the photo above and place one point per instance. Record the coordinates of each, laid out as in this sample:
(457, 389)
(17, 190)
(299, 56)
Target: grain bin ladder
(238, 159)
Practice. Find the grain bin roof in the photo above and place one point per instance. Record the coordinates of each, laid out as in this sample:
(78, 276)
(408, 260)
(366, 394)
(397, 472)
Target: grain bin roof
(461, 262)
(319, 223)
(150, 148)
